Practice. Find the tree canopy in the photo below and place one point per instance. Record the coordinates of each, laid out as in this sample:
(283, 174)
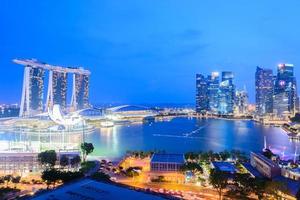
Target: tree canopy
(47, 158)
(86, 149)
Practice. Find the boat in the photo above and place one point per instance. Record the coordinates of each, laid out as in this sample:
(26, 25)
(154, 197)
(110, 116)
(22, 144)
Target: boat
(106, 124)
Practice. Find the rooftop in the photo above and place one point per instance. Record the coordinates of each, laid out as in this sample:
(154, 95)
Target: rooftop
(91, 190)
(225, 166)
(252, 170)
(265, 159)
(168, 158)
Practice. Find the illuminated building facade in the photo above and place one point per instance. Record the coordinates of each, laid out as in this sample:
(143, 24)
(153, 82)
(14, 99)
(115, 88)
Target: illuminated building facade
(264, 89)
(33, 87)
(32, 92)
(215, 96)
(80, 95)
(286, 83)
(57, 89)
(213, 88)
(226, 94)
(202, 103)
(241, 102)
(281, 104)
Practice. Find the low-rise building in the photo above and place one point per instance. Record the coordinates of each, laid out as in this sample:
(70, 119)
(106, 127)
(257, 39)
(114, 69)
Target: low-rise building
(166, 162)
(26, 162)
(265, 166)
(167, 166)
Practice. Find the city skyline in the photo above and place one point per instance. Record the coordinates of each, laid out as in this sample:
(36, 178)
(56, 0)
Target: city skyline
(137, 50)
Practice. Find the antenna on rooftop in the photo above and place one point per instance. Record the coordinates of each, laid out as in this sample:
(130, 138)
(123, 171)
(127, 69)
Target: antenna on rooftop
(295, 155)
(265, 143)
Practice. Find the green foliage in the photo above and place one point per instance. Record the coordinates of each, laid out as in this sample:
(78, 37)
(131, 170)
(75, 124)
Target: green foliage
(64, 161)
(159, 179)
(296, 118)
(47, 158)
(67, 176)
(259, 187)
(268, 153)
(132, 171)
(140, 154)
(243, 186)
(192, 166)
(16, 180)
(51, 176)
(100, 176)
(273, 188)
(87, 166)
(86, 149)
(219, 180)
(75, 161)
(216, 156)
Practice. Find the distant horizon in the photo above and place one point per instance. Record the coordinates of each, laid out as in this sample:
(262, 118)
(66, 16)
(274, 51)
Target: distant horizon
(141, 51)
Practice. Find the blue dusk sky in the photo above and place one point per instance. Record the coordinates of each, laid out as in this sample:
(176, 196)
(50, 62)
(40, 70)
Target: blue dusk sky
(148, 51)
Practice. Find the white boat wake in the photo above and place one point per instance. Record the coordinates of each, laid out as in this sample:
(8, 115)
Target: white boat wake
(184, 135)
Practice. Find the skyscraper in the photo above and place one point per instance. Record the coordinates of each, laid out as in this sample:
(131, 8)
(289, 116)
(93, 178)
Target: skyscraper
(80, 95)
(226, 94)
(201, 94)
(264, 88)
(32, 92)
(33, 85)
(212, 92)
(57, 89)
(286, 83)
(241, 102)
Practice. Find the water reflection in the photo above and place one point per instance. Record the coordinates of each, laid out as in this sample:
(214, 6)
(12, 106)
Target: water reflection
(183, 134)
(177, 135)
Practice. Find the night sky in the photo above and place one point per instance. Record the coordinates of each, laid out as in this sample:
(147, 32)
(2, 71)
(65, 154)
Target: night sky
(148, 51)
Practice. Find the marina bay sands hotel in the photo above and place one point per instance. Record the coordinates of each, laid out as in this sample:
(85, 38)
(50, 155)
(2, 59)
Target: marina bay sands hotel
(32, 101)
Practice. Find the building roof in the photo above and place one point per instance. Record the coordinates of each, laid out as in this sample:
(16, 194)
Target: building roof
(126, 108)
(225, 167)
(252, 170)
(265, 159)
(91, 190)
(168, 158)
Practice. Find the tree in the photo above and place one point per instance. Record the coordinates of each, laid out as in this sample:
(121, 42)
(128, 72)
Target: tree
(258, 187)
(50, 176)
(224, 155)
(192, 166)
(75, 161)
(64, 161)
(2, 181)
(274, 188)
(47, 158)
(218, 180)
(86, 149)
(7, 179)
(16, 180)
(243, 185)
(100, 176)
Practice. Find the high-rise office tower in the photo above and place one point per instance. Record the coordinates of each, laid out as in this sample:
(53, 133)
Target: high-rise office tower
(201, 94)
(264, 89)
(286, 83)
(212, 92)
(241, 102)
(281, 104)
(80, 95)
(226, 94)
(32, 92)
(57, 89)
